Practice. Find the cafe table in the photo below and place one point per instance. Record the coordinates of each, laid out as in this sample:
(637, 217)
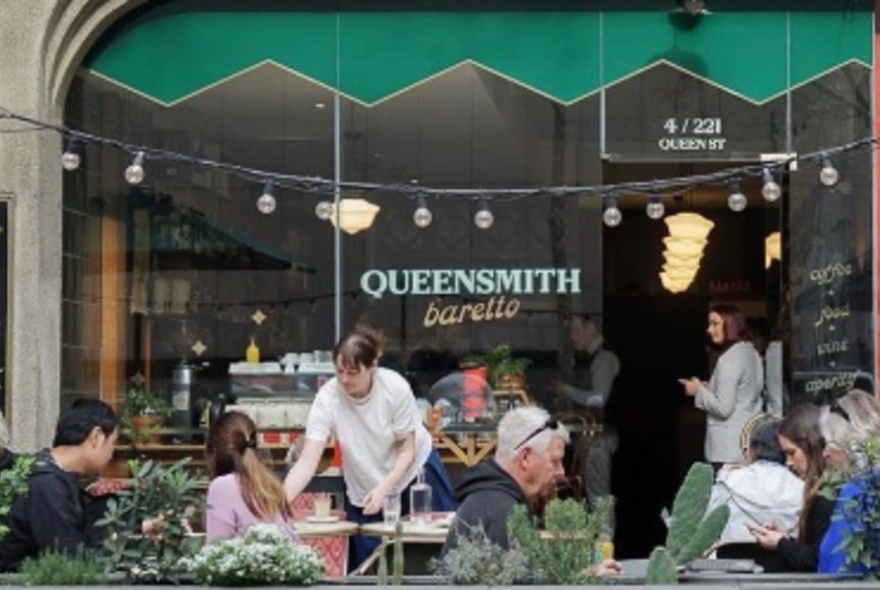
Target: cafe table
(422, 540)
(329, 535)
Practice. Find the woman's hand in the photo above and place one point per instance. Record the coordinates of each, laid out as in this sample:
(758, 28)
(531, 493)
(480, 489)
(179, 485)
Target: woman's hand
(608, 567)
(768, 536)
(374, 500)
(691, 386)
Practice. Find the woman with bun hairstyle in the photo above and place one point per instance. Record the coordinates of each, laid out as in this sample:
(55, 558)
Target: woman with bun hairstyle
(243, 490)
(372, 413)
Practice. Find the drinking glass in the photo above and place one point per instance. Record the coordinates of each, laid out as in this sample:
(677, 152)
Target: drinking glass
(391, 508)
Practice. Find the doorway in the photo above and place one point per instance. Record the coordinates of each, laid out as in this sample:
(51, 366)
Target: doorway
(660, 335)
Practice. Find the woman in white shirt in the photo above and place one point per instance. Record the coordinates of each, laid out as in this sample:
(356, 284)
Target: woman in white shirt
(372, 413)
(733, 394)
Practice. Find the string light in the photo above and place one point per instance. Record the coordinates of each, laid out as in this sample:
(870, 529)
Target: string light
(314, 185)
(483, 218)
(736, 200)
(323, 210)
(771, 189)
(134, 174)
(612, 215)
(655, 209)
(422, 216)
(828, 175)
(266, 203)
(70, 158)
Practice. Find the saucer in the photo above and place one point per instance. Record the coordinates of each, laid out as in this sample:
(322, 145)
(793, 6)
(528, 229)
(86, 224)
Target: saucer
(322, 519)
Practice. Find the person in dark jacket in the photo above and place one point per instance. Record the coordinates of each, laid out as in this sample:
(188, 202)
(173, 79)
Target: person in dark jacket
(527, 465)
(55, 514)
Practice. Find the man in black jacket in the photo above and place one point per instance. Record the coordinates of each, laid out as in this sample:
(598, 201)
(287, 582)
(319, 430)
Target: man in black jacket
(527, 466)
(54, 513)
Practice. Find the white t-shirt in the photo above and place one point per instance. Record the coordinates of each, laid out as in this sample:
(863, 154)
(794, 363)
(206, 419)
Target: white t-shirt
(368, 429)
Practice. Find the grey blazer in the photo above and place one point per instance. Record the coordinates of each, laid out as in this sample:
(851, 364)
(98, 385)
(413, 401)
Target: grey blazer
(730, 398)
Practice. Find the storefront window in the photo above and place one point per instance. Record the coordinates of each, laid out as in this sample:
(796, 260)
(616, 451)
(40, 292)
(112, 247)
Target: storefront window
(832, 322)
(184, 269)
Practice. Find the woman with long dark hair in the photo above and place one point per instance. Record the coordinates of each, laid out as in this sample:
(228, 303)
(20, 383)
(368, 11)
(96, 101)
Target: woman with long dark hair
(243, 490)
(803, 445)
(733, 395)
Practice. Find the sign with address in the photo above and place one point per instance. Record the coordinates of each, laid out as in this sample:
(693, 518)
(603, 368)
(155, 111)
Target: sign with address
(668, 114)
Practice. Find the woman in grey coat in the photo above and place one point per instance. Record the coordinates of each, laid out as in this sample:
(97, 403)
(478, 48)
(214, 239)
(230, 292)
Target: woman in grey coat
(733, 394)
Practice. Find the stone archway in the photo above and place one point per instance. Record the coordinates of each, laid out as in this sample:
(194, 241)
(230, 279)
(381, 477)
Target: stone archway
(44, 43)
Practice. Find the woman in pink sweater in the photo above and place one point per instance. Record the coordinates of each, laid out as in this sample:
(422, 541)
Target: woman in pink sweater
(243, 490)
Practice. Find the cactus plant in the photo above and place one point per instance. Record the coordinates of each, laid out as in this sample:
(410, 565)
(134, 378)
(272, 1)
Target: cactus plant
(661, 568)
(691, 532)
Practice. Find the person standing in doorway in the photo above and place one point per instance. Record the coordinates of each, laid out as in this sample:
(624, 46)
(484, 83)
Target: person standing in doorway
(732, 396)
(595, 369)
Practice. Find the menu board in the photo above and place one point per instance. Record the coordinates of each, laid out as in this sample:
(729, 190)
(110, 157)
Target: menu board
(831, 288)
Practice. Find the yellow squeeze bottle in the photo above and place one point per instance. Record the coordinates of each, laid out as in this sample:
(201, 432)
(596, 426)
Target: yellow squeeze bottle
(252, 354)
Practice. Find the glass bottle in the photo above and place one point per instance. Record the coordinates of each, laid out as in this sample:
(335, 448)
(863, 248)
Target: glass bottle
(252, 353)
(420, 500)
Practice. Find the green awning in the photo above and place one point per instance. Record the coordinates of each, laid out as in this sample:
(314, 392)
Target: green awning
(169, 55)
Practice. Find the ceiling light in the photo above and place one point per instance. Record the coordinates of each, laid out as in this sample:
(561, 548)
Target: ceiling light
(355, 215)
(688, 226)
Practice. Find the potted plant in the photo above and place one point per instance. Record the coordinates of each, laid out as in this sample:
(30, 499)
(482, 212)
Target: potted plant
(151, 519)
(142, 414)
(503, 369)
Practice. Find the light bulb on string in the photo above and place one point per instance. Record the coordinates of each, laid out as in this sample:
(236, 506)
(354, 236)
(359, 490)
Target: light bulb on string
(828, 175)
(483, 218)
(612, 215)
(266, 203)
(422, 216)
(771, 189)
(736, 200)
(134, 174)
(655, 209)
(323, 210)
(70, 158)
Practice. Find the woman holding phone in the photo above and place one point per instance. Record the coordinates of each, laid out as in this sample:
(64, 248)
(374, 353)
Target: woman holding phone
(733, 395)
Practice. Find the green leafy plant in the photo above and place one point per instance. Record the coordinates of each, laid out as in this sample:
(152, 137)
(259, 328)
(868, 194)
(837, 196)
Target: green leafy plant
(13, 483)
(263, 556)
(164, 497)
(861, 511)
(477, 560)
(500, 363)
(691, 532)
(142, 412)
(54, 568)
(564, 552)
